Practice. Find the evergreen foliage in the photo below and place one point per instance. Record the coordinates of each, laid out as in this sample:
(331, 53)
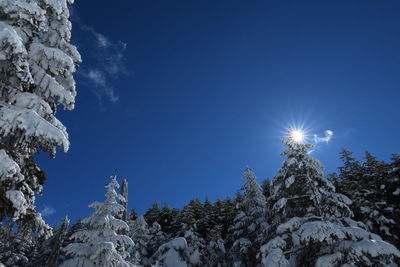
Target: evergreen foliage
(311, 224)
(99, 244)
(372, 185)
(250, 226)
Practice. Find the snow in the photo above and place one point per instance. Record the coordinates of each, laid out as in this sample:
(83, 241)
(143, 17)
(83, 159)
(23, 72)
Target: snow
(397, 192)
(289, 181)
(170, 253)
(9, 168)
(280, 204)
(374, 248)
(290, 225)
(18, 200)
(330, 260)
(275, 258)
(13, 118)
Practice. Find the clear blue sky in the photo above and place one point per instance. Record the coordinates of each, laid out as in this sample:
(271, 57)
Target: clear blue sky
(179, 96)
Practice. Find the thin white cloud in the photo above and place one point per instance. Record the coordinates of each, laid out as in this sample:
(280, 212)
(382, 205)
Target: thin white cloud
(325, 139)
(97, 77)
(107, 61)
(47, 210)
(100, 86)
(101, 40)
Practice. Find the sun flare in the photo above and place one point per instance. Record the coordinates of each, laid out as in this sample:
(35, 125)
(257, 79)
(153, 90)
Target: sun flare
(297, 135)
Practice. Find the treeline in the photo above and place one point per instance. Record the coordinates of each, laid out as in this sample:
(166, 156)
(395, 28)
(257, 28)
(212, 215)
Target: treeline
(300, 218)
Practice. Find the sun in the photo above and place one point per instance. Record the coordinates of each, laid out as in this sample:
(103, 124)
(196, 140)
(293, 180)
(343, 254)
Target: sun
(296, 135)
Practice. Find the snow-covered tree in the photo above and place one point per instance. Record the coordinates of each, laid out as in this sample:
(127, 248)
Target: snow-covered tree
(215, 252)
(124, 200)
(132, 215)
(156, 238)
(168, 220)
(392, 195)
(266, 187)
(190, 216)
(172, 254)
(223, 214)
(37, 62)
(99, 243)
(152, 214)
(250, 224)
(48, 250)
(310, 222)
(139, 233)
(370, 186)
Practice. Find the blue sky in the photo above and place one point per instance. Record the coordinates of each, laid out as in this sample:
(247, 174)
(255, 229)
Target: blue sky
(179, 96)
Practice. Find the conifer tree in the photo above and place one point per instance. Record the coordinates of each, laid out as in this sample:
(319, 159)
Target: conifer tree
(156, 238)
(250, 224)
(48, 250)
(99, 244)
(124, 200)
(132, 215)
(36, 66)
(310, 222)
(215, 248)
(139, 233)
(224, 213)
(190, 216)
(167, 220)
(367, 184)
(152, 214)
(172, 254)
(266, 188)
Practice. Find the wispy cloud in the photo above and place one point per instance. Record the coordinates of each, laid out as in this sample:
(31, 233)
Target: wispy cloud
(317, 140)
(47, 210)
(106, 57)
(325, 139)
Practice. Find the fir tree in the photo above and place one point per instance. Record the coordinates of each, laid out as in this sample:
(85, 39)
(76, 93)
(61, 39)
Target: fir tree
(367, 184)
(250, 224)
(172, 254)
(215, 248)
(139, 232)
(132, 215)
(266, 188)
(156, 238)
(167, 220)
(153, 214)
(36, 66)
(99, 244)
(124, 200)
(49, 249)
(310, 222)
(190, 216)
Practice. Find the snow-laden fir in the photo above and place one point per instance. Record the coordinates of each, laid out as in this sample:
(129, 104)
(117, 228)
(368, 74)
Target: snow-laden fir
(98, 243)
(300, 218)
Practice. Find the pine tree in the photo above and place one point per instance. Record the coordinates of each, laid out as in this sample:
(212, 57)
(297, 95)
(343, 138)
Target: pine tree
(190, 216)
(49, 249)
(266, 188)
(36, 66)
(139, 233)
(224, 213)
(153, 214)
(310, 222)
(173, 254)
(250, 224)
(132, 215)
(156, 238)
(99, 244)
(167, 220)
(124, 200)
(215, 248)
(367, 184)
